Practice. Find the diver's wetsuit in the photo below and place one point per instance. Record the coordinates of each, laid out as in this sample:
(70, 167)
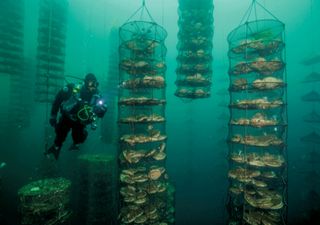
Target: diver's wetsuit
(79, 134)
(69, 101)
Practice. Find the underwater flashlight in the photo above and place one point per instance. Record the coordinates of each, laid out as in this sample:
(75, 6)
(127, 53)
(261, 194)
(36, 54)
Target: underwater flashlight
(100, 102)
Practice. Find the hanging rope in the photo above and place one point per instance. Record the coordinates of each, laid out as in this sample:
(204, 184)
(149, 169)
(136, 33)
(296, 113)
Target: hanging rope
(255, 12)
(141, 9)
(248, 13)
(252, 6)
(47, 134)
(266, 10)
(162, 13)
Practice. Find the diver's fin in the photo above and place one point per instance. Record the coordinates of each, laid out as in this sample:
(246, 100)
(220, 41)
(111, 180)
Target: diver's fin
(55, 150)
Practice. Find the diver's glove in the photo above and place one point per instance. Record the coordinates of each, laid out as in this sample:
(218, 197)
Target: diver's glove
(53, 121)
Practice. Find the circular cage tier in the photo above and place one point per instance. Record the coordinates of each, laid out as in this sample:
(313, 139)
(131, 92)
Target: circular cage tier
(141, 49)
(186, 69)
(259, 66)
(142, 30)
(192, 92)
(151, 154)
(143, 82)
(252, 84)
(142, 113)
(199, 56)
(146, 66)
(194, 43)
(195, 28)
(257, 119)
(263, 30)
(196, 80)
(45, 202)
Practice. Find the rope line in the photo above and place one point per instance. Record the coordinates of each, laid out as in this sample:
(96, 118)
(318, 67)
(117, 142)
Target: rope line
(143, 8)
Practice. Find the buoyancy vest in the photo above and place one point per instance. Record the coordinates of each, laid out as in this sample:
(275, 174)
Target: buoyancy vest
(78, 104)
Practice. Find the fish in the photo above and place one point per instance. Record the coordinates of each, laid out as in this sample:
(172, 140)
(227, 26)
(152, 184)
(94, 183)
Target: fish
(311, 60)
(312, 77)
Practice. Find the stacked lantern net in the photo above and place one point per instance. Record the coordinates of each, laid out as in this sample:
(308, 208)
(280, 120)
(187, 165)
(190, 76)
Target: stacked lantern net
(145, 193)
(51, 49)
(12, 60)
(97, 198)
(45, 202)
(194, 70)
(11, 36)
(312, 139)
(258, 124)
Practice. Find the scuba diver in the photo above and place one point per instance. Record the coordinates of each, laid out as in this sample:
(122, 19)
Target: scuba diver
(79, 106)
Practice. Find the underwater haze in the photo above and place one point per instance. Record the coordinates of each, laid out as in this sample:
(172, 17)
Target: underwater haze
(197, 148)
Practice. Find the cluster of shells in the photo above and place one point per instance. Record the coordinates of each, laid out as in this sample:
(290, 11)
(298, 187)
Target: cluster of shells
(145, 193)
(144, 213)
(260, 65)
(141, 101)
(134, 139)
(135, 156)
(196, 93)
(142, 118)
(196, 79)
(260, 217)
(265, 140)
(144, 82)
(262, 47)
(135, 67)
(258, 103)
(256, 171)
(142, 174)
(267, 83)
(194, 70)
(258, 159)
(257, 120)
(142, 47)
(144, 185)
(255, 186)
(144, 189)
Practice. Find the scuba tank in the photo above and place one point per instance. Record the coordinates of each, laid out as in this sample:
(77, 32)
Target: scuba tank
(68, 106)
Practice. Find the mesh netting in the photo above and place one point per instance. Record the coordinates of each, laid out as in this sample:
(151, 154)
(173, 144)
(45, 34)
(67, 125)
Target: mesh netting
(45, 202)
(97, 187)
(146, 196)
(258, 124)
(194, 72)
(51, 49)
